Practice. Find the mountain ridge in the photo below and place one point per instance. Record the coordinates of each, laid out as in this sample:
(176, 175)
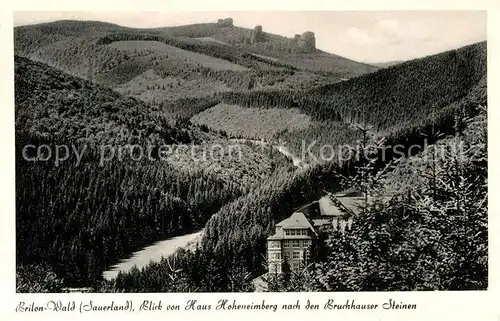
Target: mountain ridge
(238, 37)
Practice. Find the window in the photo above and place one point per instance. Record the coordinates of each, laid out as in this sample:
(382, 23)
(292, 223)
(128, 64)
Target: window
(274, 268)
(296, 255)
(287, 243)
(349, 223)
(274, 244)
(295, 243)
(335, 224)
(274, 256)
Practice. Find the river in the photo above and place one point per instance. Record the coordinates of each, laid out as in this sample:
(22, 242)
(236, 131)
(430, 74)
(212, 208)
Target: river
(153, 253)
(297, 162)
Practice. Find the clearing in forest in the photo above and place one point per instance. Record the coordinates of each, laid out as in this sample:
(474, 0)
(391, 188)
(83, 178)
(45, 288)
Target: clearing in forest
(177, 53)
(244, 122)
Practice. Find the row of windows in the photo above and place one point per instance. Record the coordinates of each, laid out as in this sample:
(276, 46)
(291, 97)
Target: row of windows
(295, 232)
(295, 255)
(296, 243)
(342, 224)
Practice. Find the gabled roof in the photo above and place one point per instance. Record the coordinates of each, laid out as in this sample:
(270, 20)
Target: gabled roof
(277, 236)
(296, 220)
(348, 202)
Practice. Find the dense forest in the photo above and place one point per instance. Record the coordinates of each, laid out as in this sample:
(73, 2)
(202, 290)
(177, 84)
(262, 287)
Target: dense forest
(382, 98)
(84, 213)
(379, 100)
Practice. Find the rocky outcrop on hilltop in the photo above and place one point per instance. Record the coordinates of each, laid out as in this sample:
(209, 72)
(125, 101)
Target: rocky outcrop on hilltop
(227, 22)
(306, 42)
(257, 35)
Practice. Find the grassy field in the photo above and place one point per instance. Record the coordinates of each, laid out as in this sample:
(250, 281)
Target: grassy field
(252, 122)
(176, 53)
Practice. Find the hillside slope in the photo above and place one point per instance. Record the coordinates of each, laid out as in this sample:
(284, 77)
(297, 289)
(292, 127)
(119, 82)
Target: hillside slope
(409, 92)
(275, 47)
(119, 56)
(410, 95)
(110, 191)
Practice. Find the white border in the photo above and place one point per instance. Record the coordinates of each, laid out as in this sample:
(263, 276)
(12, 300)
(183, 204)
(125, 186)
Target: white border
(431, 305)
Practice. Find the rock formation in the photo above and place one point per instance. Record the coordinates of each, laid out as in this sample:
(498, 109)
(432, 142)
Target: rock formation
(227, 22)
(257, 35)
(307, 41)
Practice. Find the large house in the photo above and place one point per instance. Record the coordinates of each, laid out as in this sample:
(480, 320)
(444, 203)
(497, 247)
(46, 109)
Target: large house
(294, 236)
(291, 242)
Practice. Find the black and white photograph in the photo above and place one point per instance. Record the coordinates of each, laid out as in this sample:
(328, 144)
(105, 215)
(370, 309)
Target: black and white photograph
(251, 151)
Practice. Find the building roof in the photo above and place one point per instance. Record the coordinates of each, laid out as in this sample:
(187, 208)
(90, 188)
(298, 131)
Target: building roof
(296, 221)
(277, 236)
(321, 221)
(346, 203)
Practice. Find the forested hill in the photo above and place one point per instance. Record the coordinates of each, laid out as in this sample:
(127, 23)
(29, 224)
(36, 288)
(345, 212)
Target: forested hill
(187, 58)
(412, 94)
(408, 92)
(51, 105)
(97, 84)
(78, 215)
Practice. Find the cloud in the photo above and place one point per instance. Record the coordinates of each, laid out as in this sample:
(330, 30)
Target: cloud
(390, 39)
(359, 36)
(388, 26)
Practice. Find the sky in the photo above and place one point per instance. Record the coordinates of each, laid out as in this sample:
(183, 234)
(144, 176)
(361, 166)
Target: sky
(367, 36)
